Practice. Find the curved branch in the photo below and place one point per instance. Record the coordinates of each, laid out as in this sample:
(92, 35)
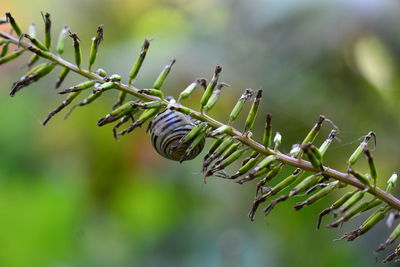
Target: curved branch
(288, 160)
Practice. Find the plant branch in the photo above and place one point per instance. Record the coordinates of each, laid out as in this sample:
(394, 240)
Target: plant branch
(244, 138)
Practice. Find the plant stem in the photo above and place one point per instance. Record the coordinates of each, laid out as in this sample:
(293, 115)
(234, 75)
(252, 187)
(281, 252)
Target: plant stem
(291, 161)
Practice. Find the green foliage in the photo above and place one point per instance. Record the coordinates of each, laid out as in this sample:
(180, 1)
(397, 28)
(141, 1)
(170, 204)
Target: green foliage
(311, 177)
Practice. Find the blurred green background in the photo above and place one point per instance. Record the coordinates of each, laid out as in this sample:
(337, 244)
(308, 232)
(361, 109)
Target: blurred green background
(70, 195)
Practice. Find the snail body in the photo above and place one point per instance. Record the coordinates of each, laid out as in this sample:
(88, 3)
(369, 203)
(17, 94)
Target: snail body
(167, 129)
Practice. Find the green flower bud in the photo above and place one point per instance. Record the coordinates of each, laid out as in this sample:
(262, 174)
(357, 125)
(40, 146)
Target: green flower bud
(95, 46)
(40, 53)
(197, 140)
(214, 96)
(267, 137)
(314, 131)
(393, 236)
(210, 88)
(32, 76)
(104, 87)
(117, 113)
(47, 31)
(32, 30)
(153, 92)
(61, 77)
(13, 23)
(274, 190)
(65, 103)
(221, 130)
(313, 155)
(101, 72)
(35, 42)
(367, 225)
(76, 42)
(392, 183)
(32, 60)
(357, 196)
(253, 112)
(4, 50)
(363, 179)
(229, 160)
(145, 116)
(115, 78)
(227, 142)
(213, 147)
(325, 145)
(163, 75)
(371, 164)
(193, 133)
(307, 183)
(11, 56)
(357, 153)
(79, 87)
(337, 204)
(139, 61)
(189, 90)
(248, 93)
(317, 196)
(61, 40)
(357, 209)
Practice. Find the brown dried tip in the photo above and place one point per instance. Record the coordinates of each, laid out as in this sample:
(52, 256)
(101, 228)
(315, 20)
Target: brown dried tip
(18, 85)
(218, 69)
(320, 121)
(171, 63)
(46, 18)
(146, 44)
(392, 256)
(107, 119)
(336, 223)
(368, 137)
(259, 187)
(74, 36)
(208, 174)
(259, 94)
(321, 215)
(56, 110)
(300, 205)
(58, 83)
(384, 245)
(207, 161)
(130, 128)
(268, 209)
(247, 178)
(119, 124)
(255, 205)
(202, 82)
(99, 36)
(350, 236)
(268, 118)
(332, 134)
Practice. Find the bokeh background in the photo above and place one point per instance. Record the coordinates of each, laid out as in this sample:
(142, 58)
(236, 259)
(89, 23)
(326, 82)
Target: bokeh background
(70, 195)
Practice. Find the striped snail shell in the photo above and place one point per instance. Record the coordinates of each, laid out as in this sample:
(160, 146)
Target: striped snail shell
(166, 130)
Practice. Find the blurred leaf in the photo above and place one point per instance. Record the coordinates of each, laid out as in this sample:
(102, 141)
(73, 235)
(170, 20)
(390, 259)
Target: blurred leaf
(375, 62)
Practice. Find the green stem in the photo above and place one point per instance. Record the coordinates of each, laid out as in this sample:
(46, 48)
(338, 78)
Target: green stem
(287, 160)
